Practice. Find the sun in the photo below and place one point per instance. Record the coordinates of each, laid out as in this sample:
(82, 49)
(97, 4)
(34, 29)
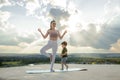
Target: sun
(76, 23)
(72, 26)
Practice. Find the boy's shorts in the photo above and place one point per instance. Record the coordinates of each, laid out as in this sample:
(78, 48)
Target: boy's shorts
(63, 60)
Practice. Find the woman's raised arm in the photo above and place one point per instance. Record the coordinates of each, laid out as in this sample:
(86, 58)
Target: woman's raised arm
(44, 36)
(61, 36)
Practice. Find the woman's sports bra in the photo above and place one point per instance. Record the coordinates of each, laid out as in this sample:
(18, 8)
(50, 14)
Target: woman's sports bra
(54, 34)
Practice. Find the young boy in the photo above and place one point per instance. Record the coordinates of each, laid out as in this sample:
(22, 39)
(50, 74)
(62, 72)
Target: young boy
(64, 55)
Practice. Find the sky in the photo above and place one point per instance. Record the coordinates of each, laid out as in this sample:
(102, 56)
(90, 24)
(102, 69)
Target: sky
(93, 26)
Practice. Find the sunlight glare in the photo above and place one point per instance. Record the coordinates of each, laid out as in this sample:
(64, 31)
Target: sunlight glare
(71, 8)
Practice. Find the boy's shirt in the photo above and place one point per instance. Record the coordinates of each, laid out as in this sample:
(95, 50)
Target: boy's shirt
(64, 51)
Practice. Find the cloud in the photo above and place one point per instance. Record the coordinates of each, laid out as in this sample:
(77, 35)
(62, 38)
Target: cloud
(111, 25)
(109, 30)
(31, 6)
(23, 44)
(59, 14)
(62, 4)
(9, 49)
(8, 34)
(115, 47)
(112, 10)
(44, 8)
(11, 41)
(4, 3)
(110, 34)
(88, 49)
(103, 39)
(11, 37)
(84, 38)
(6, 29)
(4, 16)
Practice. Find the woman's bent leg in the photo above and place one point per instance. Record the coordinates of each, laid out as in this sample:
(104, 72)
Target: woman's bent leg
(44, 49)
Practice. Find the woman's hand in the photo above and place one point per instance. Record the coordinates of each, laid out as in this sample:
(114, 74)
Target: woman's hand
(65, 31)
(39, 29)
(61, 36)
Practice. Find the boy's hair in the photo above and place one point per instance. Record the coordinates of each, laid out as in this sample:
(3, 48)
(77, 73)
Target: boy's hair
(64, 43)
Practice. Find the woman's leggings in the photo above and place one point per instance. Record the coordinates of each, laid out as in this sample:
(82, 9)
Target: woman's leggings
(50, 45)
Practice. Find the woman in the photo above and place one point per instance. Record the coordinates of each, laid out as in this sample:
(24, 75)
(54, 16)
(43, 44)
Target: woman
(52, 43)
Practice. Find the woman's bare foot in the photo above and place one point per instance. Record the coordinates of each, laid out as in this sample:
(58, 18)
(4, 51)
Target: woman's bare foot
(52, 70)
